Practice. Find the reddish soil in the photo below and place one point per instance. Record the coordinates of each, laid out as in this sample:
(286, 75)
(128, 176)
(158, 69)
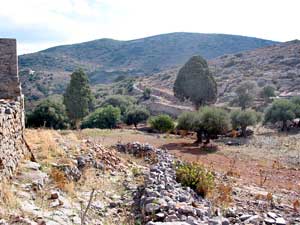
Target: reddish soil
(249, 171)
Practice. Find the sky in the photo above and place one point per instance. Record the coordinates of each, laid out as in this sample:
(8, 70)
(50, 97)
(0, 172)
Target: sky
(40, 24)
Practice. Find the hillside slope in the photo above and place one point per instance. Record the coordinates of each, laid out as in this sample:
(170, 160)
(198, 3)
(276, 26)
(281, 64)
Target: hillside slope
(47, 72)
(277, 65)
(144, 55)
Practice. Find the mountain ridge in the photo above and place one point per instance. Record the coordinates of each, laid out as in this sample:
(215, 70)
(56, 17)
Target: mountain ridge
(47, 72)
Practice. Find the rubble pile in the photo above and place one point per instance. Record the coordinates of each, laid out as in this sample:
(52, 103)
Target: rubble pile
(97, 156)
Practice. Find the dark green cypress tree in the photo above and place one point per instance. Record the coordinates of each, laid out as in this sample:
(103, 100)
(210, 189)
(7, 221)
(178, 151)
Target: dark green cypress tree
(195, 83)
(78, 97)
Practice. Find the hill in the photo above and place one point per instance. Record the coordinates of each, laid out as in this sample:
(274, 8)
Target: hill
(277, 65)
(46, 72)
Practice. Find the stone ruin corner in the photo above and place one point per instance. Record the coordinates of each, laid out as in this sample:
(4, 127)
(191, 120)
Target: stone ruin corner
(12, 144)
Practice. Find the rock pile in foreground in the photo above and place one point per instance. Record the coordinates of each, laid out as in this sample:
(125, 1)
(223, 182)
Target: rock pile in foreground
(163, 199)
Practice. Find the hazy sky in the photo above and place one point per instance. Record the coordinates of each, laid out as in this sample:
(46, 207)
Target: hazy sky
(39, 24)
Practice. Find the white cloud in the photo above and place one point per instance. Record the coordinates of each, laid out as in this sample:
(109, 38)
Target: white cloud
(69, 21)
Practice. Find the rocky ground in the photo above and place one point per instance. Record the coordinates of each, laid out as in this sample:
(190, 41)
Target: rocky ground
(76, 178)
(164, 200)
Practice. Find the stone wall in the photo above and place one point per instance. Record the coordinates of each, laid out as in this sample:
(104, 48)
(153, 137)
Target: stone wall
(12, 145)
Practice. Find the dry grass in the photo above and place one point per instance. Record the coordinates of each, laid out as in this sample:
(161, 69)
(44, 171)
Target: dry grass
(8, 199)
(44, 145)
(61, 182)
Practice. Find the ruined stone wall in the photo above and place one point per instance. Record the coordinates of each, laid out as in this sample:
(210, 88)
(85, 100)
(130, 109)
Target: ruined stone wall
(9, 79)
(12, 146)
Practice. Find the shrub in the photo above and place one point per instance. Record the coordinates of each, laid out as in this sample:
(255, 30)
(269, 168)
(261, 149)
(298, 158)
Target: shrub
(280, 111)
(213, 121)
(120, 101)
(162, 123)
(106, 117)
(147, 94)
(196, 177)
(136, 115)
(48, 114)
(243, 119)
(208, 121)
(186, 121)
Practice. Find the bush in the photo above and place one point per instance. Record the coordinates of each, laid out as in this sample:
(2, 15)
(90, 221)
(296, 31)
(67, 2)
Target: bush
(120, 101)
(147, 94)
(136, 115)
(48, 114)
(186, 121)
(196, 177)
(162, 123)
(213, 121)
(280, 111)
(106, 117)
(243, 119)
(208, 121)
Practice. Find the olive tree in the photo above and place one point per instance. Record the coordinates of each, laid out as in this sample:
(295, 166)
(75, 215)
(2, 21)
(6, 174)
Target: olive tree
(195, 83)
(267, 92)
(136, 115)
(280, 111)
(245, 94)
(120, 101)
(243, 119)
(214, 121)
(162, 123)
(104, 118)
(207, 122)
(48, 114)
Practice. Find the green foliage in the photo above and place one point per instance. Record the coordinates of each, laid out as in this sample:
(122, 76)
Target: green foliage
(48, 114)
(78, 97)
(195, 82)
(296, 101)
(136, 115)
(186, 121)
(208, 121)
(162, 123)
(214, 121)
(196, 177)
(280, 111)
(243, 119)
(245, 94)
(103, 118)
(147, 94)
(120, 101)
(267, 92)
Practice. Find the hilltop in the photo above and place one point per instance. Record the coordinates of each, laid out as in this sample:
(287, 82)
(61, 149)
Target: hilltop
(46, 72)
(277, 65)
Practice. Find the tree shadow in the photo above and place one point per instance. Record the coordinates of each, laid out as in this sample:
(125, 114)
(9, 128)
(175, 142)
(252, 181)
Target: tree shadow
(191, 148)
